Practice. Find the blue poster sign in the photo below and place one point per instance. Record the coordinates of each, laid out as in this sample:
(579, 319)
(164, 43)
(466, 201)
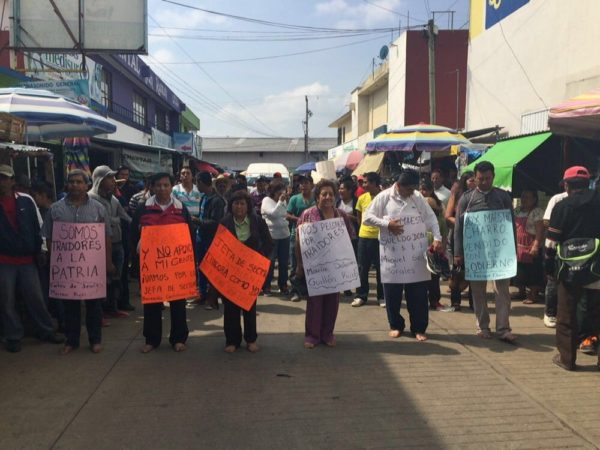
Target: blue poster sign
(489, 245)
(496, 10)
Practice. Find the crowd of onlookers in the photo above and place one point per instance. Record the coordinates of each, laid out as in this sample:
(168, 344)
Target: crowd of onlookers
(266, 217)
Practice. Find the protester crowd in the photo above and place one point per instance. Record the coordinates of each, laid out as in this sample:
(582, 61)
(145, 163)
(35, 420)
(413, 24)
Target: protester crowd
(555, 251)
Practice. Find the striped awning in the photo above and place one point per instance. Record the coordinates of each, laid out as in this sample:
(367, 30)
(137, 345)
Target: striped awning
(422, 137)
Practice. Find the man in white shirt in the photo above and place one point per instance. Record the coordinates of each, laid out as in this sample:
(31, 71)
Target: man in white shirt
(441, 191)
(403, 218)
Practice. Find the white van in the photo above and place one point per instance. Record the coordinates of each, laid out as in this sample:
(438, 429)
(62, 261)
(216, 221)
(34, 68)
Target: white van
(256, 170)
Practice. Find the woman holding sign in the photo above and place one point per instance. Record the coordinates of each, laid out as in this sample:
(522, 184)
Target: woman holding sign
(321, 310)
(251, 230)
(160, 209)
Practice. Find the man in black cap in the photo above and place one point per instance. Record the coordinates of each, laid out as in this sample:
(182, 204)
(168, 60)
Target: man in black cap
(403, 266)
(577, 216)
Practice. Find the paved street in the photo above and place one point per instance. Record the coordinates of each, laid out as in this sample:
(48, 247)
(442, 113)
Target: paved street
(454, 391)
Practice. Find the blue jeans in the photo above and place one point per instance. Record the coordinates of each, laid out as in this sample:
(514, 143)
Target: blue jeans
(26, 279)
(281, 254)
(202, 249)
(416, 303)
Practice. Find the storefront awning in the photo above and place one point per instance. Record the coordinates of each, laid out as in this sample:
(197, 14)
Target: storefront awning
(505, 156)
(370, 163)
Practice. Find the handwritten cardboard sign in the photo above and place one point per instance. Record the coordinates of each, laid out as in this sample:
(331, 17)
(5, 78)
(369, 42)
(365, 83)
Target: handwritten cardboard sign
(402, 257)
(167, 266)
(235, 270)
(78, 261)
(327, 256)
(489, 245)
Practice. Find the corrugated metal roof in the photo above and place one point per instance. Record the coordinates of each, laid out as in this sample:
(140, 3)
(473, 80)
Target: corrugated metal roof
(279, 145)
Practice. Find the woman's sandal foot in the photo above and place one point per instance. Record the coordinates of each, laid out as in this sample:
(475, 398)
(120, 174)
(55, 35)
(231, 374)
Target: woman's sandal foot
(395, 333)
(95, 348)
(67, 349)
(179, 347)
(147, 348)
(230, 349)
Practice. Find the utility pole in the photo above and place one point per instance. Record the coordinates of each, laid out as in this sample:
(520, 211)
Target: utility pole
(431, 33)
(308, 114)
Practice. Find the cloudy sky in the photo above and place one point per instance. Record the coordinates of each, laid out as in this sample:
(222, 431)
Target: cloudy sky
(244, 66)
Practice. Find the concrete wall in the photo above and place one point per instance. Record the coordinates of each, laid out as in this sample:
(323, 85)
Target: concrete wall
(397, 83)
(555, 42)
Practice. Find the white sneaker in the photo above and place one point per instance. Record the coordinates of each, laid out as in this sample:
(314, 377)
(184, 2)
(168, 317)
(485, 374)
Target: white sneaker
(549, 321)
(381, 302)
(357, 302)
(295, 298)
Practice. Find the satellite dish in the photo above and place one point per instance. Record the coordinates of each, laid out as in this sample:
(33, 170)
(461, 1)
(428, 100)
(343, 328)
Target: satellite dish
(383, 52)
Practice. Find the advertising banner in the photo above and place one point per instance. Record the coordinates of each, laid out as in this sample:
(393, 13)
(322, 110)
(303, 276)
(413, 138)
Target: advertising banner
(142, 163)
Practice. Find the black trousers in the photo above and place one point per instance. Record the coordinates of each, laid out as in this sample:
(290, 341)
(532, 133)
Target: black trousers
(153, 323)
(93, 321)
(567, 333)
(232, 326)
(434, 294)
(368, 255)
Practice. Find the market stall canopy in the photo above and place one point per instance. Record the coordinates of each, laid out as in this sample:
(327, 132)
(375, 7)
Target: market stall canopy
(306, 167)
(348, 160)
(203, 166)
(577, 117)
(370, 163)
(421, 137)
(50, 116)
(505, 156)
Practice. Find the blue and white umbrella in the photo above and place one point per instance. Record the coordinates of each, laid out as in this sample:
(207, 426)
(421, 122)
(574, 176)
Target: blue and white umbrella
(50, 116)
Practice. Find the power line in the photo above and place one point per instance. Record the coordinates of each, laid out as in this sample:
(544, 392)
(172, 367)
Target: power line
(259, 58)
(275, 24)
(390, 10)
(210, 77)
(426, 2)
(268, 38)
(522, 68)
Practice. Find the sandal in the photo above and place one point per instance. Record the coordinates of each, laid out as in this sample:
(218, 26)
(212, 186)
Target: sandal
(508, 337)
(179, 347)
(421, 337)
(529, 301)
(484, 334)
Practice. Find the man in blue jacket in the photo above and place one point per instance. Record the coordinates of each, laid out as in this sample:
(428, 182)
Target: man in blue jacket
(20, 246)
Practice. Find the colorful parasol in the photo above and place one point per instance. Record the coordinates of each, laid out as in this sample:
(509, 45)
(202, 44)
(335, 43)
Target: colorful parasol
(421, 137)
(577, 117)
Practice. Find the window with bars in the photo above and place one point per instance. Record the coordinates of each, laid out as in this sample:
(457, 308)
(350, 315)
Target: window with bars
(106, 88)
(140, 111)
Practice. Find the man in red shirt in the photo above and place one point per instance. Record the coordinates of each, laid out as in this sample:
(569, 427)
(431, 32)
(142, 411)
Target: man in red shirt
(20, 245)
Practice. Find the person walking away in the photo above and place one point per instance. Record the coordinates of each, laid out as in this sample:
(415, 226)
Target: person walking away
(574, 225)
(530, 235)
(434, 294)
(485, 197)
(391, 210)
(296, 206)
(162, 208)
(274, 212)
(253, 232)
(103, 187)
(79, 207)
(321, 310)
(20, 249)
(368, 244)
(457, 282)
(212, 210)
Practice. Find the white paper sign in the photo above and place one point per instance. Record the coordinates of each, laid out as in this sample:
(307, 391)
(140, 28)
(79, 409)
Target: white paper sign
(402, 257)
(328, 257)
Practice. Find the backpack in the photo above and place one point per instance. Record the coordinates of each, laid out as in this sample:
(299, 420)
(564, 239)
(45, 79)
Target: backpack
(579, 261)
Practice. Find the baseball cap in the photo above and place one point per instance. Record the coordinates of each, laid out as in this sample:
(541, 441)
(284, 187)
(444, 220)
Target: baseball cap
(576, 173)
(6, 170)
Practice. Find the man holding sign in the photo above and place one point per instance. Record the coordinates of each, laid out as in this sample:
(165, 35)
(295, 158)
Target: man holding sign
(403, 218)
(80, 257)
(484, 244)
